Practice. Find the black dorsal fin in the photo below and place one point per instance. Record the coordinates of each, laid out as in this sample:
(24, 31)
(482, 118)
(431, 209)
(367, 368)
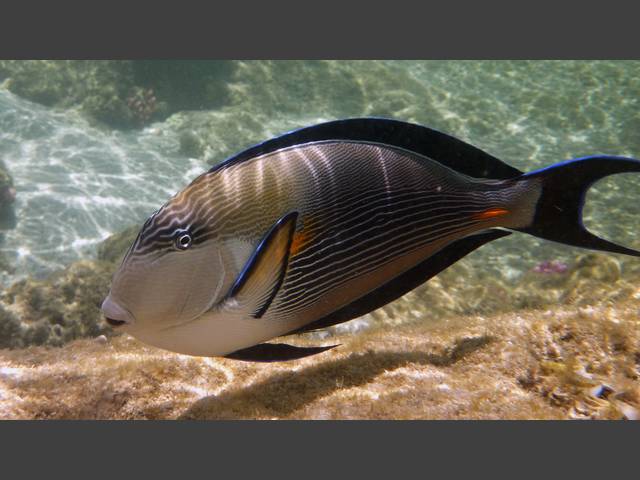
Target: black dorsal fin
(406, 282)
(275, 352)
(445, 149)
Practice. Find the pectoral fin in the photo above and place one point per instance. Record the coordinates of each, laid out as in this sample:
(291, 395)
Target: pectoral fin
(262, 276)
(275, 352)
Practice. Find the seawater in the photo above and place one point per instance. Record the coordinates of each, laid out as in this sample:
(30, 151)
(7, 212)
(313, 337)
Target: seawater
(77, 184)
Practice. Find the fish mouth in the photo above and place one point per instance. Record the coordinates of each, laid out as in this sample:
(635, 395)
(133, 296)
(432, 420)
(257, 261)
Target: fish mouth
(115, 323)
(115, 315)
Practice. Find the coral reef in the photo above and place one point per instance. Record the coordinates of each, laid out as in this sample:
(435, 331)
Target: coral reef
(65, 305)
(143, 104)
(268, 97)
(7, 197)
(114, 247)
(223, 106)
(569, 362)
(54, 311)
(477, 341)
(107, 91)
(97, 88)
(7, 217)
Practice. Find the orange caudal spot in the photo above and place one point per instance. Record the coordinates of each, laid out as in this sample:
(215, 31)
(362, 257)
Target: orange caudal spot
(491, 213)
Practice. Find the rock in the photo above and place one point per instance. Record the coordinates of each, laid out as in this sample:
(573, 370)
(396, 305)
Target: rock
(58, 309)
(506, 366)
(115, 246)
(106, 90)
(65, 305)
(97, 88)
(271, 97)
(7, 198)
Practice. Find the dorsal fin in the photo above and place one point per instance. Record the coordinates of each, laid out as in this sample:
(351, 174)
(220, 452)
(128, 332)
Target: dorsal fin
(445, 149)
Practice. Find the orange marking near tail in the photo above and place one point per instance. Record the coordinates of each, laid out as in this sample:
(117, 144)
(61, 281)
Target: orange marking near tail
(492, 212)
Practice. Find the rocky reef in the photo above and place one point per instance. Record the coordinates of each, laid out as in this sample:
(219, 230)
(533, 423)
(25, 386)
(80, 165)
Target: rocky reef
(7, 197)
(269, 97)
(478, 341)
(58, 309)
(218, 108)
(65, 305)
(120, 93)
(7, 211)
(565, 362)
(223, 106)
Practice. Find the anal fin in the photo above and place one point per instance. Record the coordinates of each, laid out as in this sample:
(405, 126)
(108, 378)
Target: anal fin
(262, 276)
(275, 352)
(407, 281)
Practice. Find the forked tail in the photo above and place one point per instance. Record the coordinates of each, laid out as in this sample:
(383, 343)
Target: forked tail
(558, 215)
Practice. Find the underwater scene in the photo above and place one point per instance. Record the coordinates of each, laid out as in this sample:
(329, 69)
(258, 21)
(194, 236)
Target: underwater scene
(527, 326)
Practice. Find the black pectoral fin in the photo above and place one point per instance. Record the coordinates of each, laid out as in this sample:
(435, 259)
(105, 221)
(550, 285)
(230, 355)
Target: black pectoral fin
(404, 283)
(275, 352)
(262, 276)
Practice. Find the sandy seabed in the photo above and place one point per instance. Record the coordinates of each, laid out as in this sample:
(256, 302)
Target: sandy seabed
(569, 362)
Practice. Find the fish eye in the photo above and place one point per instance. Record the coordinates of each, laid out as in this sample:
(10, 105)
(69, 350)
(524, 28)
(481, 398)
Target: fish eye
(183, 239)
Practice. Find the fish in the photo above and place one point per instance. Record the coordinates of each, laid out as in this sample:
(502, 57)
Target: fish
(327, 223)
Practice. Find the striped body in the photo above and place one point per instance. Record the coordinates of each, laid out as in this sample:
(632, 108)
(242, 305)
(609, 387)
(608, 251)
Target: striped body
(367, 213)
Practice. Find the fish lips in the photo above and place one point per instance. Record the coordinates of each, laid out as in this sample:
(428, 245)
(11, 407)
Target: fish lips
(116, 315)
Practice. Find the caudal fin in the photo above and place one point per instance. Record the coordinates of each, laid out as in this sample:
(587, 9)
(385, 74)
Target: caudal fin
(558, 214)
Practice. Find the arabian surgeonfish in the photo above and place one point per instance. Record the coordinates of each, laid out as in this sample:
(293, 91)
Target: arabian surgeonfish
(325, 224)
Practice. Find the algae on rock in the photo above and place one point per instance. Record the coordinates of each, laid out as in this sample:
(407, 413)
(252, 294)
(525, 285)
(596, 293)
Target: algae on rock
(61, 308)
(113, 248)
(564, 363)
(7, 198)
(102, 89)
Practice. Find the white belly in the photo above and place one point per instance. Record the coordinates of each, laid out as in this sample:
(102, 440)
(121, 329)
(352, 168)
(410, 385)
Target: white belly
(214, 334)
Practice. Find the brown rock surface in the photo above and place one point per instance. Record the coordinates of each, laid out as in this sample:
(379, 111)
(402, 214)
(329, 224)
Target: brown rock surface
(570, 362)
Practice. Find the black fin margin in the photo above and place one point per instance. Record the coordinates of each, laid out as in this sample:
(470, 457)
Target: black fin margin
(275, 352)
(407, 281)
(445, 149)
(558, 214)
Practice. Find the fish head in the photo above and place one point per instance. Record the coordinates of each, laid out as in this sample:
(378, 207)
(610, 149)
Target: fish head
(172, 273)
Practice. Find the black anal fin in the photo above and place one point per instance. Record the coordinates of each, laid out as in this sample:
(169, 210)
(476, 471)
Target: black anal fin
(275, 352)
(262, 276)
(407, 281)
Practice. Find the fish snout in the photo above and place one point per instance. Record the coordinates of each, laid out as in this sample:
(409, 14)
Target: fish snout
(114, 314)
